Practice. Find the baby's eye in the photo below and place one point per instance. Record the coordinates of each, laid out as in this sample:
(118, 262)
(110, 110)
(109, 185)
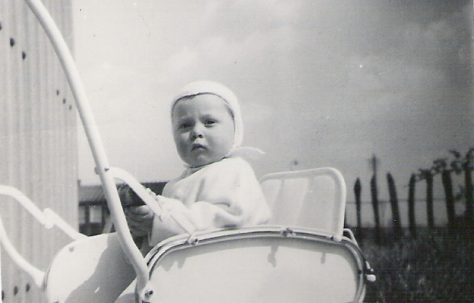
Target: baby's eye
(210, 122)
(184, 125)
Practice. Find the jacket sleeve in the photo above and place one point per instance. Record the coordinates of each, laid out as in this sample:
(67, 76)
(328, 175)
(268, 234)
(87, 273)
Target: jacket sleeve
(233, 199)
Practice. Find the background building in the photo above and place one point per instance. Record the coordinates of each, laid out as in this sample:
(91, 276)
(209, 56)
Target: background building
(94, 215)
(38, 139)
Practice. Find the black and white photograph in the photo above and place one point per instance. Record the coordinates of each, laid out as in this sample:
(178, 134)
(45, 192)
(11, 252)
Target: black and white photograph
(272, 151)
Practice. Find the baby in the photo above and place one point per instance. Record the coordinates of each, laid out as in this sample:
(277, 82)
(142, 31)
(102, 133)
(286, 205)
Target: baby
(218, 188)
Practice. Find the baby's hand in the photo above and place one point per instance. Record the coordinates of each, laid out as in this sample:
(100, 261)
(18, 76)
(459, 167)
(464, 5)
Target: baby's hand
(140, 220)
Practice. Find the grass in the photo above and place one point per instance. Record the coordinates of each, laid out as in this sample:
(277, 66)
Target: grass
(437, 266)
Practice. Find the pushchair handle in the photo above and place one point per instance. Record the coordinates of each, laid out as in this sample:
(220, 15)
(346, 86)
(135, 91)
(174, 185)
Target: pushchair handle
(144, 289)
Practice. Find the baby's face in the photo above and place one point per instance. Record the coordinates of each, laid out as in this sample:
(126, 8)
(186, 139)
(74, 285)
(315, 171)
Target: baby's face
(203, 129)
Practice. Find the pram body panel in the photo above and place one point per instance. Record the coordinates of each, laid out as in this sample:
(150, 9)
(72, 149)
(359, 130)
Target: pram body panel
(89, 270)
(259, 264)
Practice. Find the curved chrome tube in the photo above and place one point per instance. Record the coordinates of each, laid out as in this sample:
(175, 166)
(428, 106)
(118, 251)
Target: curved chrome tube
(144, 289)
(47, 218)
(340, 193)
(148, 197)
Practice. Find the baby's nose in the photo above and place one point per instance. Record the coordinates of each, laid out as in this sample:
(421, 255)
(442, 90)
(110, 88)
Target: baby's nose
(196, 136)
(196, 133)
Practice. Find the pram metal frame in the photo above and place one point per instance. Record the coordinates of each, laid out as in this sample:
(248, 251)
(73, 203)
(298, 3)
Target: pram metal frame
(338, 202)
(48, 218)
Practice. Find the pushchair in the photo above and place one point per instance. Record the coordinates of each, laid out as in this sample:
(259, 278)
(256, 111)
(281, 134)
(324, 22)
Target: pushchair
(302, 255)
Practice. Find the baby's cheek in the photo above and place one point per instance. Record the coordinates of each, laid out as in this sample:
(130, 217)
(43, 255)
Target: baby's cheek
(181, 146)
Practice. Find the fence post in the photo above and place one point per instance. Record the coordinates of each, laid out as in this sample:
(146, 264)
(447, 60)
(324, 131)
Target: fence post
(411, 205)
(392, 190)
(357, 191)
(375, 205)
(429, 199)
(469, 214)
(448, 190)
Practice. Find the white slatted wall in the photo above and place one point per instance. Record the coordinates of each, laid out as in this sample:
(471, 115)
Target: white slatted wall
(38, 145)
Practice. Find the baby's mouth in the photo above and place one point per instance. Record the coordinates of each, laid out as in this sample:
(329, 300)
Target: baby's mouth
(197, 147)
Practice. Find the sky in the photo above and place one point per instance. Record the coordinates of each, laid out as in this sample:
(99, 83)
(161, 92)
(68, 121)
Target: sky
(321, 83)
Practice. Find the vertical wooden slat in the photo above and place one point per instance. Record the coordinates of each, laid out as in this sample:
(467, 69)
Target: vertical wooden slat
(11, 162)
(469, 212)
(47, 130)
(429, 199)
(375, 205)
(411, 205)
(22, 137)
(397, 225)
(357, 193)
(71, 207)
(2, 125)
(29, 107)
(448, 190)
(34, 62)
(19, 137)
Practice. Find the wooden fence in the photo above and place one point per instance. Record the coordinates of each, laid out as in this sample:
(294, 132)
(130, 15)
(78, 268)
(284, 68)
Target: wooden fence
(411, 206)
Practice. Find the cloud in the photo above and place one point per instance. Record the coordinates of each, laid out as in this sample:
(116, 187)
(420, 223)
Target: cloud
(180, 61)
(323, 81)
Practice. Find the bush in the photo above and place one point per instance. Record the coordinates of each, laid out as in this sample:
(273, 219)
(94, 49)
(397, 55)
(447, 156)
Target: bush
(435, 267)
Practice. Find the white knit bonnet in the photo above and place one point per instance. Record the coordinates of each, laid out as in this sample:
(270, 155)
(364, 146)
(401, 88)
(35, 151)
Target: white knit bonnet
(210, 87)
